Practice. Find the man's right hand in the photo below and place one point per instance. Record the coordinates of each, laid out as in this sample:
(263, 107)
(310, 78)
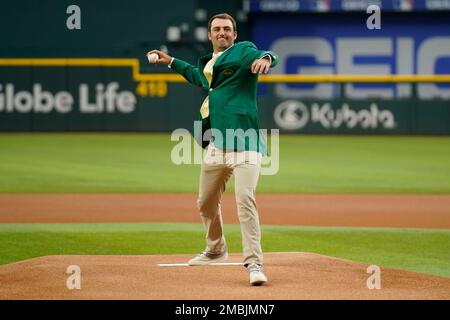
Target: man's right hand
(164, 58)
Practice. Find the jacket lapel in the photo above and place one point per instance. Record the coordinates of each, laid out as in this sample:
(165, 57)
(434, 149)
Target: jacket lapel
(222, 57)
(201, 65)
(219, 61)
(203, 61)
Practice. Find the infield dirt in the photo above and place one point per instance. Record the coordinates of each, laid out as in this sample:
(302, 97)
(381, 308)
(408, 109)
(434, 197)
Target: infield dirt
(405, 211)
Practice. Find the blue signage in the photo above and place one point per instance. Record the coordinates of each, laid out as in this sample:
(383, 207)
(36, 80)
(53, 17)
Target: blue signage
(345, 5)
(342, 44)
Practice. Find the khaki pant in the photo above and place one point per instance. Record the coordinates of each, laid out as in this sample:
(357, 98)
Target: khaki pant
(216, 169)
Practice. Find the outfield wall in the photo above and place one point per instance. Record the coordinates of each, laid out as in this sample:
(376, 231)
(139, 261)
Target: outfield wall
(111, 101)
(97, 78)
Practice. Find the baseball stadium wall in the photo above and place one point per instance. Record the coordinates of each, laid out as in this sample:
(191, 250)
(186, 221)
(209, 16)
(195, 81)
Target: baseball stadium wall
(334, 76)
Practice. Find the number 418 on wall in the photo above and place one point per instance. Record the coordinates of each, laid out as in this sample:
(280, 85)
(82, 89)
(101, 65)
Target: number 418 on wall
(152, 89)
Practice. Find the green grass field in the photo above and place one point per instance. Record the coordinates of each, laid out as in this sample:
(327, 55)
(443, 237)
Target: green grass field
(418, 250)
(61, 163)
(126, 163)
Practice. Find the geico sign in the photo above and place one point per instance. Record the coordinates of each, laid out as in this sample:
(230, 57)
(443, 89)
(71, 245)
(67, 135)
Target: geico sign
(107, 99)
(352, 55)
(294, 115)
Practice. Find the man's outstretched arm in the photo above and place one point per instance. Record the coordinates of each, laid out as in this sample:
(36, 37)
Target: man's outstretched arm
(256, 60)
(188, 71)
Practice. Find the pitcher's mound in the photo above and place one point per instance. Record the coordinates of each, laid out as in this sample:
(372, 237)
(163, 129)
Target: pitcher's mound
(291, 276)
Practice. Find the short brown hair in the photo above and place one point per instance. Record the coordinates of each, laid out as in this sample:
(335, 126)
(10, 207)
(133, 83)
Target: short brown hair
(222, 16)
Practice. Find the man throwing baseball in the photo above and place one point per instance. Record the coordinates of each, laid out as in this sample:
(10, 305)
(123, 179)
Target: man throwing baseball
(235, 146)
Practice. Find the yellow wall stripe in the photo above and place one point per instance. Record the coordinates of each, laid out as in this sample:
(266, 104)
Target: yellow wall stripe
(171, 77)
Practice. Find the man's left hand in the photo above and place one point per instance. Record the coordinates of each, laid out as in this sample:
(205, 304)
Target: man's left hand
(260, 66)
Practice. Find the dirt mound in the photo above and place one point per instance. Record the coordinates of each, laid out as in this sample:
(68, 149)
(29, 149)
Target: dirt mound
(291, 276)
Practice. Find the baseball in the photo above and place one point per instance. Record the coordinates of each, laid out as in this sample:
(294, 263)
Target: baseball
(152, 57)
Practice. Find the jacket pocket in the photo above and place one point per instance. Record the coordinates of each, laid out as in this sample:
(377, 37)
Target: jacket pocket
(236, 110)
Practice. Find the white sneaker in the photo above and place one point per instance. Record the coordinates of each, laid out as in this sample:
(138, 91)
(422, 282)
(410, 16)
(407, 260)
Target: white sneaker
(205, 258)
(257, 276)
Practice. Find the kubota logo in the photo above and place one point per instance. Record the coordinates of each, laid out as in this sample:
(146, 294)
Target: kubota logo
(294, 115)
(291, 115)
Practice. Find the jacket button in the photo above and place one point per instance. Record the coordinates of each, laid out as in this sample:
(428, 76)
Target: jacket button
(211, 89)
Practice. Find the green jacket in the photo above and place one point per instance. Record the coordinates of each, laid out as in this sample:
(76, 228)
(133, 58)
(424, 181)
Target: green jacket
(232, 96)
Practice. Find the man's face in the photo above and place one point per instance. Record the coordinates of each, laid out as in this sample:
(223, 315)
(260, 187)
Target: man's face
(221, 35)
